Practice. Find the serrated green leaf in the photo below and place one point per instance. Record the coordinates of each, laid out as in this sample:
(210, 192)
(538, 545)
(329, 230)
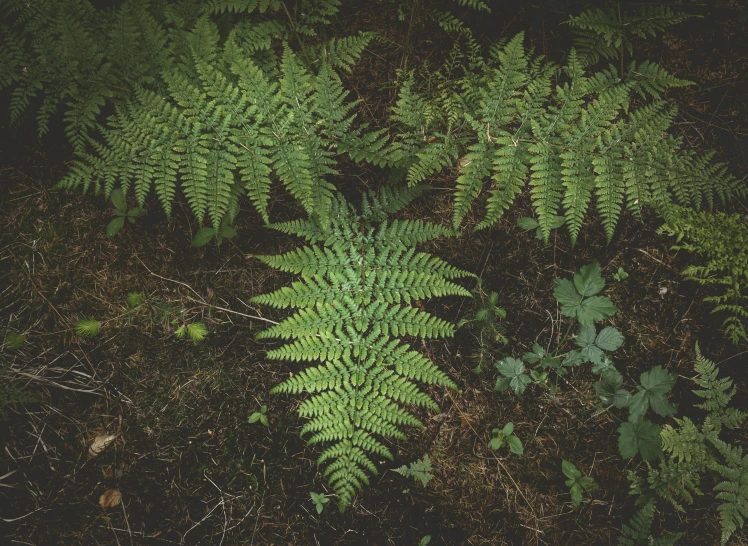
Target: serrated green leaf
(573, 358)
(605, 364)
(513, 370)
(609, 339)
(655, 384)
(639, 436)
(586, 336)
(609, 389)
(535, 356)
(595, 309)
(588, 281)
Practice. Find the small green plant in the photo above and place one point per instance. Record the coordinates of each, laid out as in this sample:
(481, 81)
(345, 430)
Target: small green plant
(206, 234)
(425, 540)
(12, 340)
(319, 500)
(262, 417)
(692, 451)
(87, 327)
(719, 241)
(12, 392)
(195, 331)
(620, 275)
(120, 210)
(576, 482)
(484, 324)
(419, 471)
(506, 436)
(528, 224)
(513, 375)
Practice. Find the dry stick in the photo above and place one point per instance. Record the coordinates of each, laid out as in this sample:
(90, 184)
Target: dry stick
(201, 301)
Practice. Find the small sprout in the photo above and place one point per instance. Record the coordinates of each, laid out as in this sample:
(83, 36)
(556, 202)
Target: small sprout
(87, 327)
(13, 340)
(577, 483)
(260, 416)
(135, 299)
(506, 436)
(620, 275)
(197, 331)
(319, 500)
(425, 541)
(122, 214)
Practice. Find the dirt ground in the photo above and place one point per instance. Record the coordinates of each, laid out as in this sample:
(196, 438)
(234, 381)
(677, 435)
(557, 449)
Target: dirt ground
(189, 466)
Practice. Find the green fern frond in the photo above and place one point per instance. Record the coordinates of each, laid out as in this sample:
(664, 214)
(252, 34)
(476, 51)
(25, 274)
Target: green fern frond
(353, 304)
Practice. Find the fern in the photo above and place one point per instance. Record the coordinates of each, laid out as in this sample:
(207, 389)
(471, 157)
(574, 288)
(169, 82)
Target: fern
(419, 471)
(513, 121)
(693, 449)
(225, 129)
(354, 300)
(719, 240)
(608, 32)
(638, 530)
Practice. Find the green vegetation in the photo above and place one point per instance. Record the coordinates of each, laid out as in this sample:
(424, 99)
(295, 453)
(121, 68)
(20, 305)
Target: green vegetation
(462, 197)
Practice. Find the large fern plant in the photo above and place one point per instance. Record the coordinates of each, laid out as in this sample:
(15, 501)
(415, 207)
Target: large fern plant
(356, 301)
(514, 121)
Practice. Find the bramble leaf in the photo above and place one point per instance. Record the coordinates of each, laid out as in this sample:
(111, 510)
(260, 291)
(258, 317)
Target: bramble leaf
(655, 384)
(588, 281)
(514, 376)
(609, 389)
(639, 436)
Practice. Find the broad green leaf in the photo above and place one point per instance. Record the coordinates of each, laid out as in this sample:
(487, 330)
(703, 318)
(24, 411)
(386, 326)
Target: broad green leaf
(570, 470)
(588, 281)
(609, 389)
(537, 353)
(587, 483)
(514, 376)
(118, 200)
(609, 339)
(114, 226)
(595, 309)
(573, 358)
(515, 445)
(566, 294)
(227, 232)
(508, 429)
(576, 494)
(586, 336)
(639, 436)
(203, 237)
(655, 384)
(527, 223)
(132, 213)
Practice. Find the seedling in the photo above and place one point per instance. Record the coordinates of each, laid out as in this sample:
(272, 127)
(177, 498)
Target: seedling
(485, 323)
(318, 499)
(577, 483)
(620, 275)
(506, 436)
(529, 224)
(120, 210)
(262, 417)
(196, 331)
(425, 541)
(206, 234)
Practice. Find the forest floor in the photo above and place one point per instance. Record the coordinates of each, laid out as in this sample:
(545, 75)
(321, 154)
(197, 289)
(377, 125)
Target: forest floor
(189, 466)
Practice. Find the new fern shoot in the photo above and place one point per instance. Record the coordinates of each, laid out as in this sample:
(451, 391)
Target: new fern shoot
(354, 301)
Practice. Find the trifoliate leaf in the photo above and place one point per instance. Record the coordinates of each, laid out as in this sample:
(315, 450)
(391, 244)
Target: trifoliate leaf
(609, 389)
(603, 365)
(655, 384)
(535, 356)
(586, 336)
(609, 339)
(514, 376)
(588, 281)
(639, 436)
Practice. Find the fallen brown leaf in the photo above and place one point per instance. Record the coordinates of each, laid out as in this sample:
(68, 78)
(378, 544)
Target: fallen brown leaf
(110, 498)
(100, 443)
